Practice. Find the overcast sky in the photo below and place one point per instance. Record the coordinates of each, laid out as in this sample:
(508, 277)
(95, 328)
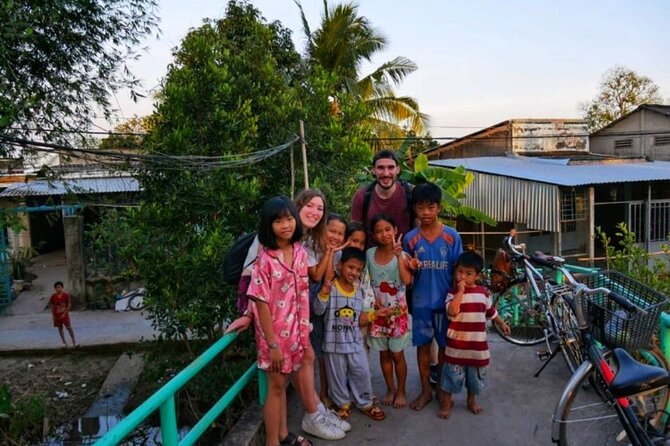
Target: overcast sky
(480, 62)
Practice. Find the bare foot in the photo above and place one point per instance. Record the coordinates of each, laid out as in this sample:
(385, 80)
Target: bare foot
(475, 408)
(388, 398)
(400, 401)
(445, 409)
(421, 401)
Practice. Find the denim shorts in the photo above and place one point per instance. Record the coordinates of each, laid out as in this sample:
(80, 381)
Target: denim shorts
(454, 376)
(429, 324)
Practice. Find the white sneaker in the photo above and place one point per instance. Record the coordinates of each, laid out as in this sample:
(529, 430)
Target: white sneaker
(320, 427)
(333, 419)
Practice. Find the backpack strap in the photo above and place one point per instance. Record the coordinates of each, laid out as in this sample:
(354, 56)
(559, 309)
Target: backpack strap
(366, 201)
(408, 201)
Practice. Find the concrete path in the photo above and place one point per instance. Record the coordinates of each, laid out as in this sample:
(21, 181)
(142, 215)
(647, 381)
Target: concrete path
(36, 332)
(30, 326)
(517, 406)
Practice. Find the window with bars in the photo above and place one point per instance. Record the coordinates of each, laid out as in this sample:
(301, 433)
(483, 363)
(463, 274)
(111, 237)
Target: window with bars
(573, 209)
(623, 143)
(659, 214)
(662, 141)
(636, 220)
(660, 221)
(573, 205)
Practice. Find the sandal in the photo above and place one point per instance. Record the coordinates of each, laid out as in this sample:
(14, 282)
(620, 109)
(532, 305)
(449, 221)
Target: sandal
(329, 403)
(344, 412)
(295, 440)
(373, 411)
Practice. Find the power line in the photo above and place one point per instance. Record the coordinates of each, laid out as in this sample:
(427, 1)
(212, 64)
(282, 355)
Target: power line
(228, 161)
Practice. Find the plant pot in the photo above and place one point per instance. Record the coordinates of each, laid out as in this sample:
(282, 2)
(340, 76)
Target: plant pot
(17, 286)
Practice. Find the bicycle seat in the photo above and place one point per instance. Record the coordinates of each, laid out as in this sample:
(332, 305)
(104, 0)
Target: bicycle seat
(546, 260)
(634, 377)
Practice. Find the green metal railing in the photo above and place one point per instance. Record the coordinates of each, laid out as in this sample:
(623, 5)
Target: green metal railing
(164, 400)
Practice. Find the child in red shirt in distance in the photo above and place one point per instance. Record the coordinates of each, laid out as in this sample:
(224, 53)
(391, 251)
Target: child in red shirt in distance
(60, 312)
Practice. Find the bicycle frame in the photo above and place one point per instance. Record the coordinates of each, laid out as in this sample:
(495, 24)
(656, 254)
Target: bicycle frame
(624, 411)
(597, 363)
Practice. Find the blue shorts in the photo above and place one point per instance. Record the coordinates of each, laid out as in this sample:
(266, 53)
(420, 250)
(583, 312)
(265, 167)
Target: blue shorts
(454, 376)
(429, 324)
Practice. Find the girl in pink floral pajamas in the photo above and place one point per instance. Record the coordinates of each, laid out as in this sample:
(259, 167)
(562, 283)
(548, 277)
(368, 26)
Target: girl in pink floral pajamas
(280, 292)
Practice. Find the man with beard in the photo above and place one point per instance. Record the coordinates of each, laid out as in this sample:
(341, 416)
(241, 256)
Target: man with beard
(386, 195)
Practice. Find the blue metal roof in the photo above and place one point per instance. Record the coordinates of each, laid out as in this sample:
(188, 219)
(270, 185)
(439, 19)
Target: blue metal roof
(72, 186)
(560, 173)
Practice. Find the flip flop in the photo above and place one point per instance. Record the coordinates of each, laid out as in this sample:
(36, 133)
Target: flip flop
(373, 411)
(295, 440)
(344, 412)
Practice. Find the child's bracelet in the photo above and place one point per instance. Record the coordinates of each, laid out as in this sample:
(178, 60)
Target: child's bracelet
(323, 296)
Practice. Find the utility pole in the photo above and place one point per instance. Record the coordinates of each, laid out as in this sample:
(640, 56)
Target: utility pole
(304, 152)
(292, 173)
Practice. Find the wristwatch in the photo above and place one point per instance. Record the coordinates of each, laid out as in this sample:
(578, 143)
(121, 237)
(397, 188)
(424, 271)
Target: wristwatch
(273, 345)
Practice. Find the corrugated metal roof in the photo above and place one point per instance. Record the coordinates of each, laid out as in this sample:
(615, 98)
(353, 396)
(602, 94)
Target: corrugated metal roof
(508, 199)
(72, 186)
(559, 172)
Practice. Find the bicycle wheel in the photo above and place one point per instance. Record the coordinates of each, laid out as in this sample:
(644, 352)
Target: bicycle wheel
(590, 417)
(136, 301)
(567, 331)
(522, 311)
(661, 397)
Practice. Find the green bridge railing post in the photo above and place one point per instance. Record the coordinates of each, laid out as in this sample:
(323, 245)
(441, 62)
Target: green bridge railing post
(169, 423)
(262, 387)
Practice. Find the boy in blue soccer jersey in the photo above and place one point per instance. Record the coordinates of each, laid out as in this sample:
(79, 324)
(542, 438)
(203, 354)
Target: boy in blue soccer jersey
(434, 248)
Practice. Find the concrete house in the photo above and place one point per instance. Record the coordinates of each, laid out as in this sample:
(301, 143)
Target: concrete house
(540, 177)
(54, 210)
(644, 132)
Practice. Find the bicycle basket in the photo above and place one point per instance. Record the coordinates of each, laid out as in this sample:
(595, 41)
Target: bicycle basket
(611, 325)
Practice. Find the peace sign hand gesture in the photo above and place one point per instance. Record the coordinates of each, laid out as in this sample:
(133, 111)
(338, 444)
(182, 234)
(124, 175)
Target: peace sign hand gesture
(414, 262)
(397, 246)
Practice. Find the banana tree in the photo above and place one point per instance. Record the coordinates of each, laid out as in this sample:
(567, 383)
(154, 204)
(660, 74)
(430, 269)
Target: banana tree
(453, 183)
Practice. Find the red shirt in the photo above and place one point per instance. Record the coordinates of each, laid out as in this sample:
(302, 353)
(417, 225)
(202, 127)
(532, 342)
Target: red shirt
(395, 206)
(59, 303)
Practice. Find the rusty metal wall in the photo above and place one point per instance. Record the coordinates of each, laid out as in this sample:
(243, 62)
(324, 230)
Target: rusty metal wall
(549, 136)
(513, 200)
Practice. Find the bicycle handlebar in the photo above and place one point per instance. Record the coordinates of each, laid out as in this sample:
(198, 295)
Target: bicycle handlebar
(580, 287)
(518, 250)
(558, 264)
(625, 303)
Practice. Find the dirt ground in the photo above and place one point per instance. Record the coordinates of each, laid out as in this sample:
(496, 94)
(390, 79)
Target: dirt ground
(67, 383)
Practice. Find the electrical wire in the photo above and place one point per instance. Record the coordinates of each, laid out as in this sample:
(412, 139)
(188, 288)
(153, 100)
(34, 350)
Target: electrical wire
(227, 161)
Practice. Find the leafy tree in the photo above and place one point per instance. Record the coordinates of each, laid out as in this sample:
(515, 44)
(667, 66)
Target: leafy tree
(621, 90)
(60, 59)
(343, 41)
(236, 86)
(627, 256)
(128, 135)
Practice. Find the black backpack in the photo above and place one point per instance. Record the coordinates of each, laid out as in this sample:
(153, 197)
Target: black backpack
(408, 201)
(233, 261)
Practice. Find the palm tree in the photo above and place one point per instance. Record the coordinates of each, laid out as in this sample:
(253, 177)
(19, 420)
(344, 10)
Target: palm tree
(340, 45)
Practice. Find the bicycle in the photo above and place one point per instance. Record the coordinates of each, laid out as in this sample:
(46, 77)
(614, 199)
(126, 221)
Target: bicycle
(612, 396)
(130, 300)
(538, 309)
